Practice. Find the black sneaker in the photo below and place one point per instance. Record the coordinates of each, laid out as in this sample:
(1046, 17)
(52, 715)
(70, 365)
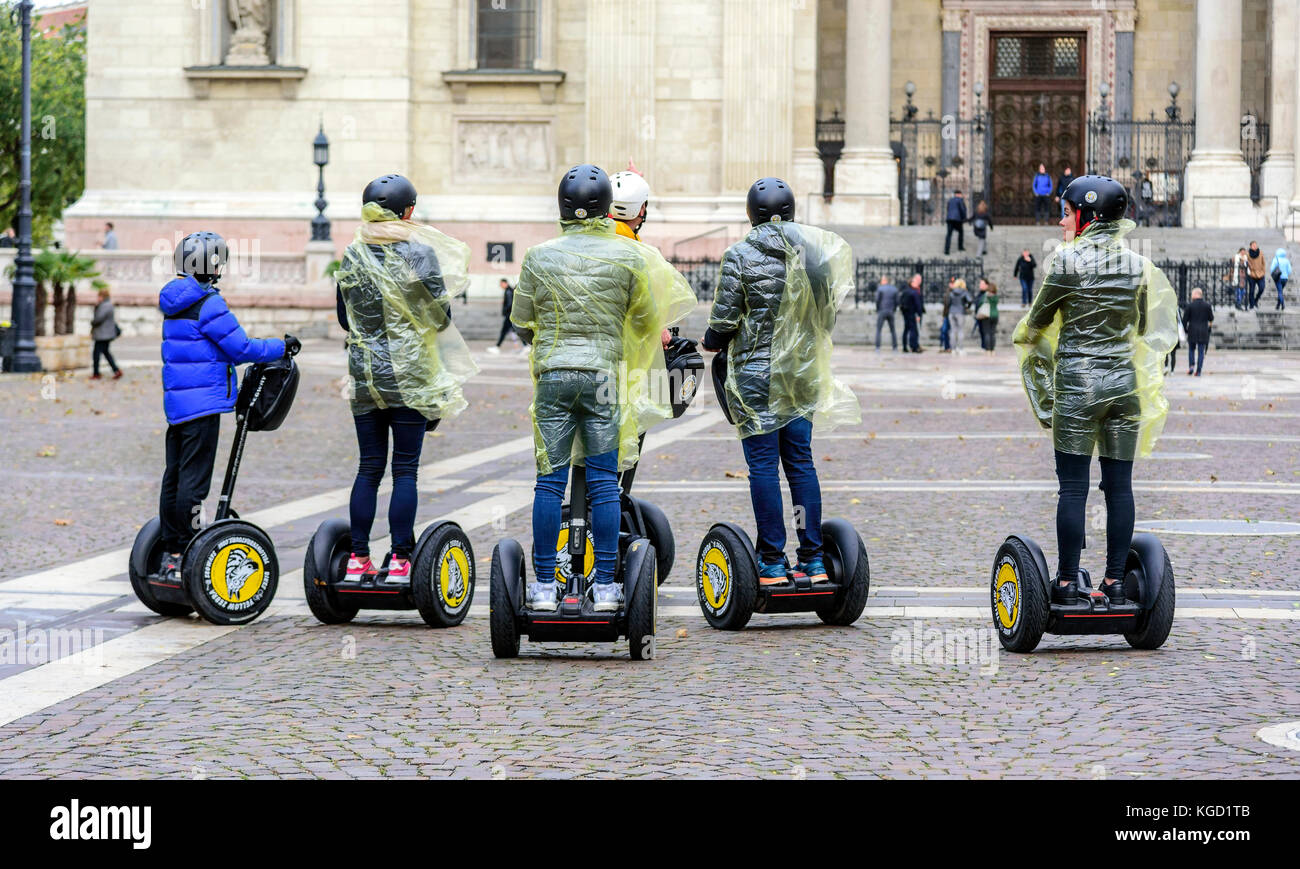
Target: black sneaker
(1114, 591)
(1064, 594)
(170, 570)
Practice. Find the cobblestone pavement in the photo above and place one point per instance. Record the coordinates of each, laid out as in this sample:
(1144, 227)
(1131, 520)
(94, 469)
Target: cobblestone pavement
(946, 463)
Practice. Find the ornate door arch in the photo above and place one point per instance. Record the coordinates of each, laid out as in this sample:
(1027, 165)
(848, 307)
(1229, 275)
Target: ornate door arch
(1038, 100)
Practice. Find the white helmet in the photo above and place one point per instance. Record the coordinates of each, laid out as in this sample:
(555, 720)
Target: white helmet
(630, 193)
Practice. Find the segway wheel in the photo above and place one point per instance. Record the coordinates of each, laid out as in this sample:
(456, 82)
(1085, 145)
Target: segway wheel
(321, 599)
(1019, 597)
(660, 534)
(643, 609)
(443, 581)
(848, 605)
(726, 582)
(502, 620)
(149, 552)
(1154, 623)
(230, 572)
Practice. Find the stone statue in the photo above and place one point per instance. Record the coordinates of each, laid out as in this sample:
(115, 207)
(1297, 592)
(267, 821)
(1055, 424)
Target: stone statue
(252, 22)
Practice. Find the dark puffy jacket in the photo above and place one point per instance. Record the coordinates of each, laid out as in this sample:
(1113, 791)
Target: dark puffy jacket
(751, 288)
(957, 209)
(202, 343)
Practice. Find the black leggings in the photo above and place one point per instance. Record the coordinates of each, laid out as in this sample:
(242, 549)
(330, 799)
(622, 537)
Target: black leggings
(1117, 483)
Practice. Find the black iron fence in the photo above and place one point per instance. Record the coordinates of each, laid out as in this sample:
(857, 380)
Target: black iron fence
(937, 156)
(1212, 276)
(1147, 156)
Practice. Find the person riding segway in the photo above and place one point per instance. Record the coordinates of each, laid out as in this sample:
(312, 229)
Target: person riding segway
(406, 364)
(1092, 349)
(594, 307)
(226, 570)
(773, 313)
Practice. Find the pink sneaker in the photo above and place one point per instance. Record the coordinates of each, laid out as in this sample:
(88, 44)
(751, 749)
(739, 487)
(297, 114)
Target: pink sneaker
(360, 568)
(399, 569)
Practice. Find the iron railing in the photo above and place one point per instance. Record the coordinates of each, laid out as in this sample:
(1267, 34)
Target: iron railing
(1212, 276)
(937, 156)
(1148, 157)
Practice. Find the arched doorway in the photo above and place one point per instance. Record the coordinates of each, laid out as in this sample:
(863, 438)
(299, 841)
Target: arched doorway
(1038, 100)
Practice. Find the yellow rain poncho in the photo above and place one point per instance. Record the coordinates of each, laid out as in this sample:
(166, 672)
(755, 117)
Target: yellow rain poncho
(397, 280)
(1093, 345)
(596, 304)
(779, 293)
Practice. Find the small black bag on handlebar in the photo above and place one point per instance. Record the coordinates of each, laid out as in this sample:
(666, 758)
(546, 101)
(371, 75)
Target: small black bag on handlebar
(267, 393)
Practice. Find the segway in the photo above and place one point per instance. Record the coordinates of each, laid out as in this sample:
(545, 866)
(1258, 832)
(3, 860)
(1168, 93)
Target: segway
(646, 553)
(726, 568)
(441, 585)
(1021, 591)
(229, 571)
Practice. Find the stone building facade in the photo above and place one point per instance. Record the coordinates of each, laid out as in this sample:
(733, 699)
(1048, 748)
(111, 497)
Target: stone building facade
(203, 114)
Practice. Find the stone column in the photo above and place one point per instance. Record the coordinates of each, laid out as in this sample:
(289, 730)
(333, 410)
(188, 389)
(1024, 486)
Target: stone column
(866, 178)
(1277, 177)
(1217, 186)
(806, 174)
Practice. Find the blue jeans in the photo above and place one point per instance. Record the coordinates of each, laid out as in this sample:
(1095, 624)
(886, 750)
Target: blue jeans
(1254, 289)
(1280, 283)
(1195, 357)
(1026, 291)
(408, 427)
(792, 446)
(944, 342)
(548, 503)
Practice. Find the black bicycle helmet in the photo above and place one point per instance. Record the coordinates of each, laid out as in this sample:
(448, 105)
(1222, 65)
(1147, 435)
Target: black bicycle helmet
(1095, 197)
(201, 254)
(393, 192)
(769, 199)
(585, 192)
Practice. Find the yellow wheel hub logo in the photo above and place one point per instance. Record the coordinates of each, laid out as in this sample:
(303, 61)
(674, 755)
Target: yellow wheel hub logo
(1006, 595)
(714, 577)
(564, 561)
(237, 573)
(453, 575)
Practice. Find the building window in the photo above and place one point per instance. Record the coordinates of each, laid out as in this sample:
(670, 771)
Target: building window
(1038, 57)
(507, 34)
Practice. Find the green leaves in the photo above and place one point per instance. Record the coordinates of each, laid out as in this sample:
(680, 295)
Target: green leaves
(58, 120)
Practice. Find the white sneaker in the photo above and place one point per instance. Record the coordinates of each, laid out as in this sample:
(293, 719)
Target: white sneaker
(607, 596)
(543, 596)
(494, 350)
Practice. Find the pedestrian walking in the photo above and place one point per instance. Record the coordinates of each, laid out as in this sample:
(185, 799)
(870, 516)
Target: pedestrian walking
(1240, 271)
(507, 328)
(1042, 188)
(1196, 321)
(886, 305)
(1254, 275)
(986, 315)
(104, 331)
(1067, 175)
(110, 237)
(912, 304)
(956, 220)
(1024, 270)
(1280, 270)
(959, 302)
(945, 326)
(981, 223)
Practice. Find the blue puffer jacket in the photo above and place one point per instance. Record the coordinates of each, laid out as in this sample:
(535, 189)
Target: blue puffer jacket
(202, 344)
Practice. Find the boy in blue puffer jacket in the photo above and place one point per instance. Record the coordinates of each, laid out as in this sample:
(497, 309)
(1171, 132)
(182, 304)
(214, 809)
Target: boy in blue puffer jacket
(202, 344)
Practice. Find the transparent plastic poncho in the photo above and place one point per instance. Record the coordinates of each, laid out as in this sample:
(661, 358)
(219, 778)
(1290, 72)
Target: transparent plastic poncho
(780, 291)
(1093, 345)
(403, 350)
(597, 301)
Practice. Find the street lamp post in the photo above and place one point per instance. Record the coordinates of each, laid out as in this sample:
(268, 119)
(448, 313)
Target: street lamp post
(24, 292)
(320, 225)
(830, 145)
